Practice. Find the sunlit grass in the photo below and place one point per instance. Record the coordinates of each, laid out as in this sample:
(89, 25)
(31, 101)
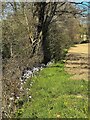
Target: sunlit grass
(55, 95)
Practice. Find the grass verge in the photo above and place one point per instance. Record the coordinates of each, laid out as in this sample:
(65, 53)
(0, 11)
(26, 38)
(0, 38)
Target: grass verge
(54, 95)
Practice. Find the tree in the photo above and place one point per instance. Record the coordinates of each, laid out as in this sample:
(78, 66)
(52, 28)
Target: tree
(42, 14)
(30, 33)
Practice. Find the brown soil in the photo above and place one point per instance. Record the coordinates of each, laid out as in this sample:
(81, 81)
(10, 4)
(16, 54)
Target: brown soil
(77, 62)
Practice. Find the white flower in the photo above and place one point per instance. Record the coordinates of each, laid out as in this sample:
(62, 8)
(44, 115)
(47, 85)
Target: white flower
(21, 88)
(35, 69)
(12, 93)
(30, 96)
(18, 97)
(27, 89)
(41, 68)
(30, 84)
(24, 82)
(9, 105)
(21, 80)
(28, 77)
(11, 98)
(21, 83)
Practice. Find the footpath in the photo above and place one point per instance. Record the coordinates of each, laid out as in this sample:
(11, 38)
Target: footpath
(77, 61)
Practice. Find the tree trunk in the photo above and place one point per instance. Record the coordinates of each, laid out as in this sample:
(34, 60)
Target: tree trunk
(38, 15)
(44, 13)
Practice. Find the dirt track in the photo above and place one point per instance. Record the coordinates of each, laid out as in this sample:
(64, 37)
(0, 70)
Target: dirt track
(77, 61)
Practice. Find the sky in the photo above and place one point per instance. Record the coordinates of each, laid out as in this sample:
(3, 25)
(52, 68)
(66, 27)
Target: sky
(79, 0)
(43, 0)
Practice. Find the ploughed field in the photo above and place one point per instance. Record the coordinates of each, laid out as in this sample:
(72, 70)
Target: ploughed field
(77, 61)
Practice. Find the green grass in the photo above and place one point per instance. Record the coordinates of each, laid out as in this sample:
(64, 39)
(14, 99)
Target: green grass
(55, 95)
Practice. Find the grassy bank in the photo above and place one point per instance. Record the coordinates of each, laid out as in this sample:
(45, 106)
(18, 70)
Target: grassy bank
(55, 95)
